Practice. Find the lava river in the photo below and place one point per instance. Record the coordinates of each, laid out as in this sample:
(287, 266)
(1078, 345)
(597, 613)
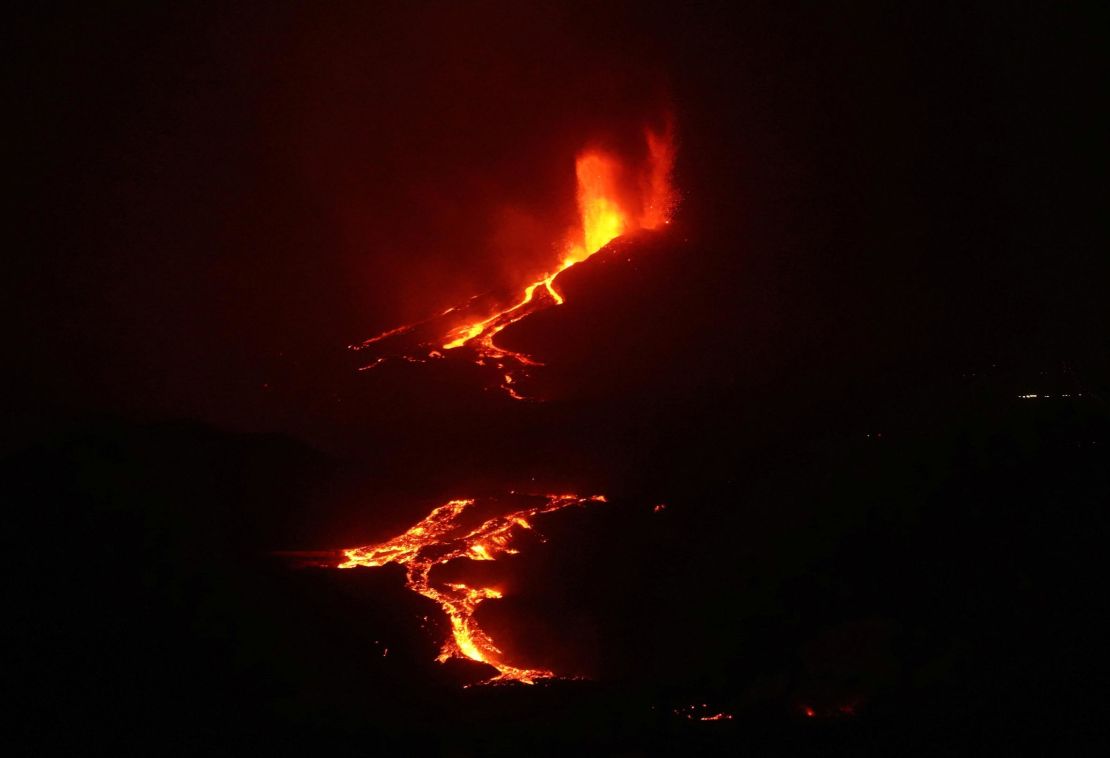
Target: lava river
(613, 199)
(441, 537)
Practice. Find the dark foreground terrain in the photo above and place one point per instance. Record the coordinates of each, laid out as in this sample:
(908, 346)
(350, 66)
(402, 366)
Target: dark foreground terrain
(840, 564)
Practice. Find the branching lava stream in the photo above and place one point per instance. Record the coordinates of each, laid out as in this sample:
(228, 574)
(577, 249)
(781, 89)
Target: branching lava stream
(613, 199)
(439, 538)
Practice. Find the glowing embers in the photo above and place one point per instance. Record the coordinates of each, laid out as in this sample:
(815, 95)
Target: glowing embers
(702, 712)
(614, 198)
(451, 532)
(830, 710)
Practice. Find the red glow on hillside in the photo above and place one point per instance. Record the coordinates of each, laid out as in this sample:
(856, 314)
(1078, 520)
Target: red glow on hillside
(614, 198)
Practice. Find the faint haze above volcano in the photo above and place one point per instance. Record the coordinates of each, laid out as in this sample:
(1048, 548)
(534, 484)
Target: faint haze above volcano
(217, 201)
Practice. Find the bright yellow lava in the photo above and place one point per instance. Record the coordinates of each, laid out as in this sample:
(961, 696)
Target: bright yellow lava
(440, 538)
(614, 198)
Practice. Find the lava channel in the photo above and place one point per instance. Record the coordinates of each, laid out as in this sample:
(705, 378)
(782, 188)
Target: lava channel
(613, 200)
(439, 538)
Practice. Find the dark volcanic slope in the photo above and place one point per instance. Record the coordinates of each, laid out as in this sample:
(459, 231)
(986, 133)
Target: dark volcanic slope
(901, 557)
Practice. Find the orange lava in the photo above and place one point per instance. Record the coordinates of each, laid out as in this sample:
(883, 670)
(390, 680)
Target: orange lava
(613, 199)
(702, 712)
(439, 538)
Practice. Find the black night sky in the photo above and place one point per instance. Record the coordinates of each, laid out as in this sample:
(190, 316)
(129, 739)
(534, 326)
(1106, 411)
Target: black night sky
(888, 235)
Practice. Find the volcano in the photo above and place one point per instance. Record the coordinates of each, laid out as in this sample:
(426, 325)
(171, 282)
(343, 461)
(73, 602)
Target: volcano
(500, 378)
(613, 199)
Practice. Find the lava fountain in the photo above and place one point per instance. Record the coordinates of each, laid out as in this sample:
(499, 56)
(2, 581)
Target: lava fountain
(440, 538)
(613, 199)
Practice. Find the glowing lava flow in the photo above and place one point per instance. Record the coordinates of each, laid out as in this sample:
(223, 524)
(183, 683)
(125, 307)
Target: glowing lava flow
(612, 200)
(440, 538)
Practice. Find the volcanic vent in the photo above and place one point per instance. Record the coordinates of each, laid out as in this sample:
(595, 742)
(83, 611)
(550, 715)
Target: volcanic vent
(614, 198)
